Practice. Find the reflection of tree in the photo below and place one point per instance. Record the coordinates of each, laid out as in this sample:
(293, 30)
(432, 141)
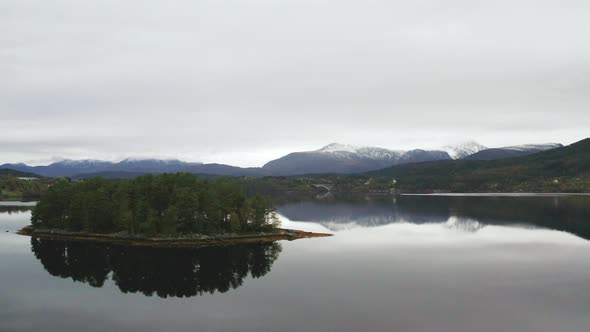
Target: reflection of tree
(174, 272)
(464, 224)
(14, 209)
(86, 263)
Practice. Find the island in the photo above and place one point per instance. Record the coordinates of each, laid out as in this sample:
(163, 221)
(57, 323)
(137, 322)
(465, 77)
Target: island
(177, 209)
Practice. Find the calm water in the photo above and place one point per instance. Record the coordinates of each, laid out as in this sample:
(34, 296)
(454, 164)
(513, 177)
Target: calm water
(410, 263)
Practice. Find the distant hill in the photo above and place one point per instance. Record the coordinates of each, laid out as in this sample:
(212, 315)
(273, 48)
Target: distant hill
(15, 173)
(131, 167)
(204, 170)
(511, 151)
(227, 170)
(559, 169)
(109, 175)
(73, 168)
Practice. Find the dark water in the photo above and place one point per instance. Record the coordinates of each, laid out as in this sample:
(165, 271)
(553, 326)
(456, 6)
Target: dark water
(410, 263)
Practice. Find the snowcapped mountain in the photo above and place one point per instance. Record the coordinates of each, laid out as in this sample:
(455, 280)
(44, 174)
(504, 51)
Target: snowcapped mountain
(512, 151)
(342, 158)
(85, 163)
(139, 165)
(534, 147)
(464, 149)
(337, 147)
(131, 161)
(65, 167)
(347, 151)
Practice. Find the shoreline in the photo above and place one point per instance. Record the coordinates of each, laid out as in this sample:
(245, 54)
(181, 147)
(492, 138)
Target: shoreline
(197, 240)
(497, 194)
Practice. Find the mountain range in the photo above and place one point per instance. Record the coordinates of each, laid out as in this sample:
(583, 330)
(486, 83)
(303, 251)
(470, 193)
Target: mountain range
(334, 158)
(555, 169)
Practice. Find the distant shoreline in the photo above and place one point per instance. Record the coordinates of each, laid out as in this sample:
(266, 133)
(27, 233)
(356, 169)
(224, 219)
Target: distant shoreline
(498, 194)
(194, 240)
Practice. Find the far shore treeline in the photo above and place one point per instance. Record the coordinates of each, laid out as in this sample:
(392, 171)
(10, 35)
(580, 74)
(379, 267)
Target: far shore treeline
(150, 205)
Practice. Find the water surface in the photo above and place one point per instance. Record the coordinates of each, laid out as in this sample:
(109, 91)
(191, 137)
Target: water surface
(409, 263)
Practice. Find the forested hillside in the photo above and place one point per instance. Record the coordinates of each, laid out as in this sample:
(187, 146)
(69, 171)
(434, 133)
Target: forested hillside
(11, 187)
(565, 169)
(12, 172)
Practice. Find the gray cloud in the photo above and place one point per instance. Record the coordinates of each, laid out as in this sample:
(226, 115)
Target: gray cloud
(246, 81)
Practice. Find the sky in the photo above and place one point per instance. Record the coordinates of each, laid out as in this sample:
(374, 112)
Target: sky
(244, 82)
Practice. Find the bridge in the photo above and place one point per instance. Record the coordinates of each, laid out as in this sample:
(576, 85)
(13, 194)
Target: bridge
(326, 186)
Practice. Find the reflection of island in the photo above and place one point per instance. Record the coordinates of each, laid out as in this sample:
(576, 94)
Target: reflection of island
(564, 213)
(166, 272)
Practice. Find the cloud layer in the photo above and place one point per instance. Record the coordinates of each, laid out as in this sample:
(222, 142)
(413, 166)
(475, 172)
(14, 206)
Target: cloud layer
(246, 81)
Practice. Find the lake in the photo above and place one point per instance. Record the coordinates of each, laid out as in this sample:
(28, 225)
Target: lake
(407, 263)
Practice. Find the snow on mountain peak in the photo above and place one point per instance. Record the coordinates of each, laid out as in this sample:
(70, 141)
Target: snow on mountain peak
(463, 149)
(346, 151)
(79, 163)
(540, 147)
(131, 159)
(337, 147)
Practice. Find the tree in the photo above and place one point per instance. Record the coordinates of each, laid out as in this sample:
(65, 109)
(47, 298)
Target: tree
(258, 212)
(234, 221)
(152, 205)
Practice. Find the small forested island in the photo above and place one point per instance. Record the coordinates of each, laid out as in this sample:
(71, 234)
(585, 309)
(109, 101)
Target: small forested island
(164, 210)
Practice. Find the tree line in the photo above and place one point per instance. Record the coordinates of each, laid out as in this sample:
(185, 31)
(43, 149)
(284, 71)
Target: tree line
(166, 204)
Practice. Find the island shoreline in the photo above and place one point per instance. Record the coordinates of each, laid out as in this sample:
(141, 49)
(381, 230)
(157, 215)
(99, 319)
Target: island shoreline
(198, 240)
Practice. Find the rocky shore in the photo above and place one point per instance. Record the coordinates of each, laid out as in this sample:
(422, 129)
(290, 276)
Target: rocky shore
(184, 240)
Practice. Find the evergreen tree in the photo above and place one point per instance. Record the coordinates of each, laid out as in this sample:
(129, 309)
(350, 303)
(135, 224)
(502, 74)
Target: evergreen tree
(152, 205)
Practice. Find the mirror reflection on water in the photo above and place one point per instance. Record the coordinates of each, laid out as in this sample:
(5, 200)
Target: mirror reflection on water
(395, 263)
(165, 272)
(563, 213)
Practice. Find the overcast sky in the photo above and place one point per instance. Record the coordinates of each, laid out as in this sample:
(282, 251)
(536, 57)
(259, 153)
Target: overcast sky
(242, 82)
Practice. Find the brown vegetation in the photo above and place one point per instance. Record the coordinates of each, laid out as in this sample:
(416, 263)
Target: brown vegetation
(196, 240)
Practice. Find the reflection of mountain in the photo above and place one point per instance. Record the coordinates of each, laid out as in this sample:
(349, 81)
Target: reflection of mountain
(564, 213)
(166, 272)
(371, 212)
